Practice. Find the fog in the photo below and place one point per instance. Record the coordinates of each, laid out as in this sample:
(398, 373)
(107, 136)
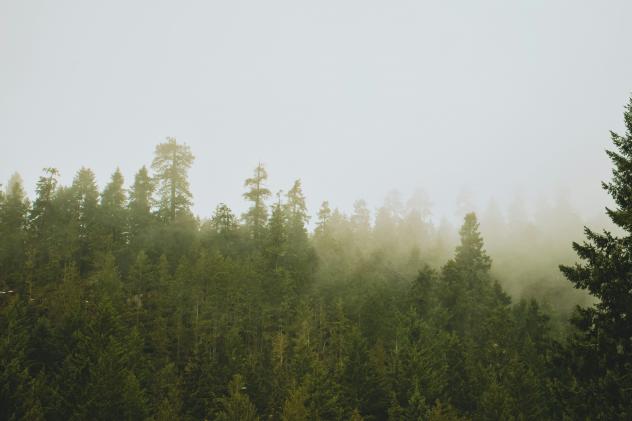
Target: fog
(356, 98)
(341, 210)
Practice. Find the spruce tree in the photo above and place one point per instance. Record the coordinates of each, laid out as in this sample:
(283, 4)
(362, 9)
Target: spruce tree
(277, 241)
(602, 350)
(297, 210)
(140, 204)
(13, 224)
(41, 218)
(113, 210)
(86, 196)
(466, 289)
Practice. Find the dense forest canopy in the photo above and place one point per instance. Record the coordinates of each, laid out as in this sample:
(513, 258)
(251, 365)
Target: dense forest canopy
(120, 303)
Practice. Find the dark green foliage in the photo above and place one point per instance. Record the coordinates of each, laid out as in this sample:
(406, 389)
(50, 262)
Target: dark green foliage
(122, 305)
(84, 218)
(599, 356)
(14, 208)
(139, 208)
(237, 406)
(113, 215)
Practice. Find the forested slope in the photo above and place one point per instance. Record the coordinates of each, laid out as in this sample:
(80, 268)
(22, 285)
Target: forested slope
(121, 304)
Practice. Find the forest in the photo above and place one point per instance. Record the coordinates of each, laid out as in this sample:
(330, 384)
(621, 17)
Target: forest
(120, 304)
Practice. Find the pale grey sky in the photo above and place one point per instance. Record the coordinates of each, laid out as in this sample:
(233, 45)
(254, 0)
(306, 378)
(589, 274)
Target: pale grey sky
(353, 97)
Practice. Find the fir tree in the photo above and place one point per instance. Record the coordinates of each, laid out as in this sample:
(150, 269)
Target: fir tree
(601, 352)
(86, 196)
(13, 224)
(113, 218)
(140, 203)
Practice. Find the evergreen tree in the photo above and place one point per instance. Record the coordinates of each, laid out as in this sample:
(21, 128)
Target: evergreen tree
(470, 253)
(13, 224)
(324, 214)
(277, 246)
(294, 407)
(297, 210)
(113, 216)
(257, 194)
(140, 204)
(601, 352)
(153, 324)
(223, 220)
(86, 196)
(467, 287)
(237, 405)
(45, 189)
(170, 164)
(42, 223)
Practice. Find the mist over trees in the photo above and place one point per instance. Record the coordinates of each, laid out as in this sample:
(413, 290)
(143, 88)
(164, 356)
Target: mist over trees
(120, 303)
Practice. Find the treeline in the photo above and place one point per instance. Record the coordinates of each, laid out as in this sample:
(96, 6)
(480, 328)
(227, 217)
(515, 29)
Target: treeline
(121, 304)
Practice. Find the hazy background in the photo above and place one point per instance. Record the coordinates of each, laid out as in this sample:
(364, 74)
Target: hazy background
(354, 97)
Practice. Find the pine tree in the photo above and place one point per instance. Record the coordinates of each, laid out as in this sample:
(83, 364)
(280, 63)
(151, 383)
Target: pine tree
(294, 407)
(113, 211)
(417, 406)
(171, 163)
(42, 222)
(324, 214)
(140, 205)
(13, 225)
(223, 220)
(601, 353)
(45, 189)
(86, 196)
(237, 405)
(168, 395)
(257, 193)
(467, 288)
(470, 253)
(277, 243)
(297, 210)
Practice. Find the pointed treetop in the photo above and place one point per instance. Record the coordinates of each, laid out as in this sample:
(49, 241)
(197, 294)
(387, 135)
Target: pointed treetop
(471, 252)
(620, 187)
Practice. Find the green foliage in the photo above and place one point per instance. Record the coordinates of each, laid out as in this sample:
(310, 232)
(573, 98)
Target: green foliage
(294, 407)
(118, 306)
(257, 194)
(171, 163)
(140, 205)
(14, 208)
(599, 356)
(237, 405)
(113, 214)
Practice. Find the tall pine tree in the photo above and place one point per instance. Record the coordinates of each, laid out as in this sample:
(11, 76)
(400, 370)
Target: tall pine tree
(602, 350)
(257, 194)
(171, 163)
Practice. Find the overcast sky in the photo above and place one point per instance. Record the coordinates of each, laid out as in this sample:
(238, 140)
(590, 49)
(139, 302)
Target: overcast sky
(354, 97)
